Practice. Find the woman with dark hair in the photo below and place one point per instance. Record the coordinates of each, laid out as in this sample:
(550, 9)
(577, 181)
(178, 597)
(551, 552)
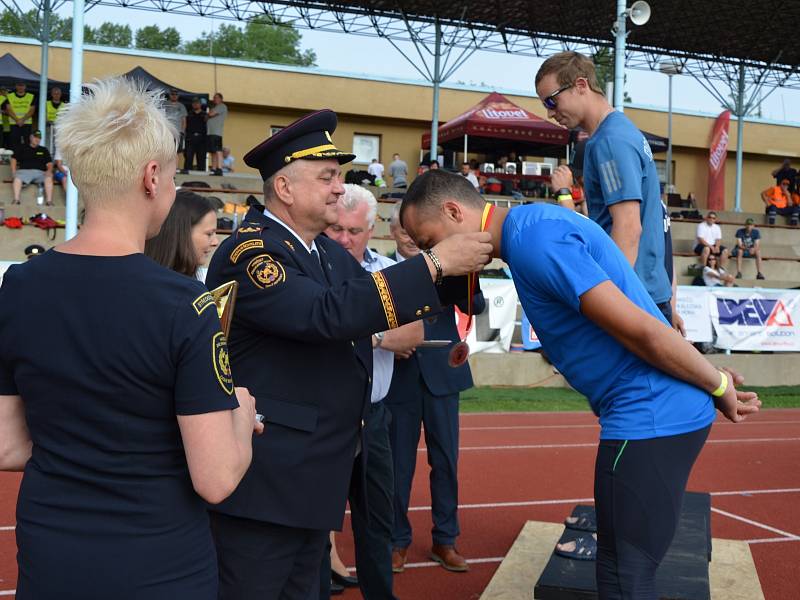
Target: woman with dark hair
(187, 237)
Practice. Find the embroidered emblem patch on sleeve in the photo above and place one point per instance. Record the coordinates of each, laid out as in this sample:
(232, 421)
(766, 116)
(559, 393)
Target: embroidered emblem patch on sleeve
(265, 272)
(244, 247)
(203, 302)
(222, 362)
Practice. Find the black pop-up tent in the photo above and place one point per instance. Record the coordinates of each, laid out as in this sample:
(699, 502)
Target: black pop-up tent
(12, 71)
(151, 82)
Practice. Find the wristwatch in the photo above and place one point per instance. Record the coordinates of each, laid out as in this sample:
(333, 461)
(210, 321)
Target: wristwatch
(379, 338)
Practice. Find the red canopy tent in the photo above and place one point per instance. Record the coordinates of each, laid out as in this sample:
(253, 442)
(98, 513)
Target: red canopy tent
(496, 123)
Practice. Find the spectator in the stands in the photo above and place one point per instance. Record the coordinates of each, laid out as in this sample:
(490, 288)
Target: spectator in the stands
(32, 163)
(434, 165)
(785, 171)
(714, 275)
(216, 126)
(709, 238)
(19, 107)
(398, 169)
(748, 245)
(176, 114)
(691, 200)
(375, 169)
(227, 160)
(196, 128)
(52, 108)
(778, 201)
(188, 236)
(466, 171)
(60, 171)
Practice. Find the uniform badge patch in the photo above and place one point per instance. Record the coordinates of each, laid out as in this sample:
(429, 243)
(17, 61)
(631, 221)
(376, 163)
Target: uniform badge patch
(244, 247)
(203, 302)
(222, 362)
(248, 229)
(265, 272)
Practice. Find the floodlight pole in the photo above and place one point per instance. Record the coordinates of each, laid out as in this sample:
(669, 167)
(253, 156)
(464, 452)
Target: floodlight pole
(619, 55)
(740, 112)
(437, 77)
(75, 86)
(45, 39)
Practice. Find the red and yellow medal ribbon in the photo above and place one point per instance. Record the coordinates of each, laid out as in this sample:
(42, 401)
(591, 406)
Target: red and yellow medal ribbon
(472, 278)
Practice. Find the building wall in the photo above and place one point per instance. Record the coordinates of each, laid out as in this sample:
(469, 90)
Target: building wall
(260, 96)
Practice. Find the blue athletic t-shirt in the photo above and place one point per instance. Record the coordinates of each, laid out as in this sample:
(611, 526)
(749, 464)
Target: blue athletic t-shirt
(557, 255)
(618, 166)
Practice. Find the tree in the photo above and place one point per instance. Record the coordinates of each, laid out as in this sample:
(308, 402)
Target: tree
(262, 39)
(603, 61)
(152, 37)
(111, 34)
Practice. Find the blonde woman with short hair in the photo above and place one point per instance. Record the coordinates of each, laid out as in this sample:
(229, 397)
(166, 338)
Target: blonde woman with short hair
(117, 399)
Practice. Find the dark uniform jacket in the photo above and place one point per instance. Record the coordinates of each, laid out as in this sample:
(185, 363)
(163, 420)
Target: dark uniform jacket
(300, 341)
(432, 363)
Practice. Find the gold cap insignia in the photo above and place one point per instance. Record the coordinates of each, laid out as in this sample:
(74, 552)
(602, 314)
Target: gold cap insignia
(288, 243)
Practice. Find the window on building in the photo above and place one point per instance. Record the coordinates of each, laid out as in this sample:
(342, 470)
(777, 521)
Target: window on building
(661, 168)
(366, 146)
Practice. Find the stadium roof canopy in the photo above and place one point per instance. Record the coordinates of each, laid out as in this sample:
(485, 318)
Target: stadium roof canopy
(706, 40)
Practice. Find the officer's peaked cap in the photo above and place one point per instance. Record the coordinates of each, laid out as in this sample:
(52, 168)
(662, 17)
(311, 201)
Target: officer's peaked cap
(308, 138)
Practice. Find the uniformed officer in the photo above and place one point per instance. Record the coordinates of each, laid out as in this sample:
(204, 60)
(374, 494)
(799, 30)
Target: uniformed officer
(53, 106)
(300, 340)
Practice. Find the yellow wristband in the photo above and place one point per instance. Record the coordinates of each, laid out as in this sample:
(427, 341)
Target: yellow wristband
(563, 198)
(723, 385)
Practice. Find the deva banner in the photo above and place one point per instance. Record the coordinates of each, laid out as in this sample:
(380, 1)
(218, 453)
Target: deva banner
(756, 319)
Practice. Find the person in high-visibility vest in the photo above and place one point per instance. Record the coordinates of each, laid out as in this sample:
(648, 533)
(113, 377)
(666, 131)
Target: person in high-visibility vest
(20, 107)
(778, 201)
(52, 107)
(6, 122)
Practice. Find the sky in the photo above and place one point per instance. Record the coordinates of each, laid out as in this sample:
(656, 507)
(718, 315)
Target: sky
(377, 57)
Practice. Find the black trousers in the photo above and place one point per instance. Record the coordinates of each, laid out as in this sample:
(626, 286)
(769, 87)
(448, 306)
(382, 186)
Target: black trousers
(195, 150)
(372, 525)
(265, 561)
(18, 137)
(638, 490)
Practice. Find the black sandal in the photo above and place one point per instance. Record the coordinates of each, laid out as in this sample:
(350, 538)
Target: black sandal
(585, 549)
(584, 522)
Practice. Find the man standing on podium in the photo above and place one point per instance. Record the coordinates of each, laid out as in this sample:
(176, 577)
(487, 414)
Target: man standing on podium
(300, 339)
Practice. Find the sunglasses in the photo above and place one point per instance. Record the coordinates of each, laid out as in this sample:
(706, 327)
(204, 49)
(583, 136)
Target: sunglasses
(550, 102)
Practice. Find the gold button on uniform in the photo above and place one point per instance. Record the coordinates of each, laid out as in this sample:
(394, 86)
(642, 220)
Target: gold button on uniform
(419, 313)
(426, 309)
(362, 423)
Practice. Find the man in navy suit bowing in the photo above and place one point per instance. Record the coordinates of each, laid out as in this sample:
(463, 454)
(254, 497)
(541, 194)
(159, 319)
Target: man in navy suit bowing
(300, 340)
(425, 390)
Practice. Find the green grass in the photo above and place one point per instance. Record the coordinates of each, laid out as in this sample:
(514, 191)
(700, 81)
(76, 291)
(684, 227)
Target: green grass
(489, 399)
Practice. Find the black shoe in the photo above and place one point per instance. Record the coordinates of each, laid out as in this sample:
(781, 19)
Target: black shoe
(184, 171)
(760, 276)
(344, 580)
(336, 589)
(217, 172)
(738, 275)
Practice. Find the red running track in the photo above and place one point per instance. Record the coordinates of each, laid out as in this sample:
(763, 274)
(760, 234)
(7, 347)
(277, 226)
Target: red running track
(535, 466)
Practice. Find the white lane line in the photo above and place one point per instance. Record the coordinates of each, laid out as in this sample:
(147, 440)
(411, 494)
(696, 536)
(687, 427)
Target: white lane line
(8, 528)
(597, 426)
(754, 523)
(756, 492)
(773, 540)
(7, 592)
(594, 444)
(471, 561)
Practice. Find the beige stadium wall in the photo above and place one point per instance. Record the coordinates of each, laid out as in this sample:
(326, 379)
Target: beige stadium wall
(261, 96)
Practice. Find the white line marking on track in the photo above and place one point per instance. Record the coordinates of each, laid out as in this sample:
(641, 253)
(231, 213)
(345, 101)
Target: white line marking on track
(8, 528)
(471, 561)
(773, 540)
(756, 492)
(594, 444)
(7, 592)
(754, 523)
